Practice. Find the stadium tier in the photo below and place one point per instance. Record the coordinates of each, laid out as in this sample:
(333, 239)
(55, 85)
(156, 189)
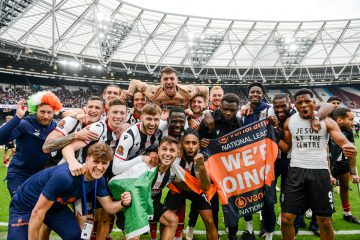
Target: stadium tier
(75, 95)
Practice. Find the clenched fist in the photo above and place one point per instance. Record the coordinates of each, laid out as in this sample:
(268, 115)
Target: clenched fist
(199, 159)
(126, 199)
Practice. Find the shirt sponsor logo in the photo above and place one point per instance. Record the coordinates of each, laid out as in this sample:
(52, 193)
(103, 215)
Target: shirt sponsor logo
(64, 202)
(120, 150)
(61, 124)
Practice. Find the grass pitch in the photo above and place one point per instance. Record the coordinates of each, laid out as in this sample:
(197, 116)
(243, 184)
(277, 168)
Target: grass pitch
(339, 223)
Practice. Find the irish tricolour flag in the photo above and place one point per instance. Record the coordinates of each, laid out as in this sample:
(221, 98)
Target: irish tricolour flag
(137, 180)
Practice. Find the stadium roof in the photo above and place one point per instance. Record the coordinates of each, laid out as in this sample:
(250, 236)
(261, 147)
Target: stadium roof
(273, 10)
(113, 31)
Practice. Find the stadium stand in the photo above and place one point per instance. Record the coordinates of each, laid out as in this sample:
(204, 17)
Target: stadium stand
(271, 93)
(324, 95)
(335, 91)
(353, 95)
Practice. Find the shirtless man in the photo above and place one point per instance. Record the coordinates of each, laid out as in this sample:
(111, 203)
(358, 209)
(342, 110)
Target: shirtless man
(170, 93)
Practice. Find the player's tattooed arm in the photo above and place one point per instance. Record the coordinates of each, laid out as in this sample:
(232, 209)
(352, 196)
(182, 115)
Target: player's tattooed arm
(55, 144)
(55, 141)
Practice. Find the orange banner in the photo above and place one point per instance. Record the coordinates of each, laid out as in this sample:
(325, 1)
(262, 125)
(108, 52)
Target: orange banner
(243, 161)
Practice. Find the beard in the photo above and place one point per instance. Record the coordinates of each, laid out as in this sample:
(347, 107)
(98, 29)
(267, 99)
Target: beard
(187, 157)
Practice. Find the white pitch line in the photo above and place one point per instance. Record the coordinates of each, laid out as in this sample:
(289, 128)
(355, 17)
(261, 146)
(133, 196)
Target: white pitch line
(201, 232)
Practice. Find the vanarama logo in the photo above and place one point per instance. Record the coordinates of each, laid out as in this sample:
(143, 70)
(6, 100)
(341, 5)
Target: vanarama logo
(224, 140)
(242, 202)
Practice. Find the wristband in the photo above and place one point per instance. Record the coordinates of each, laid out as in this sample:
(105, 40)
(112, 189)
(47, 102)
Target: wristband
(315, 118)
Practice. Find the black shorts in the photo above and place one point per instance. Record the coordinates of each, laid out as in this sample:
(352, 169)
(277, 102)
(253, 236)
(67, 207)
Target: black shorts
(308, 188)
(120, 220)
(159, 209)
(8, 146)
(340, 168)
(173, 201)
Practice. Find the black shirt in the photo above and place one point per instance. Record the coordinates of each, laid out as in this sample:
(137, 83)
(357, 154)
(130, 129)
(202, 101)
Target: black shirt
(335, 151)
(221, 128)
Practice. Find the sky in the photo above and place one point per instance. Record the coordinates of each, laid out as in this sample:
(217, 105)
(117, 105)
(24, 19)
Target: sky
(277, 10)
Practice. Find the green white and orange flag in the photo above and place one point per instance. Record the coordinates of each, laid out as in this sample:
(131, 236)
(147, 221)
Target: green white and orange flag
(137, 180)
(190, 181)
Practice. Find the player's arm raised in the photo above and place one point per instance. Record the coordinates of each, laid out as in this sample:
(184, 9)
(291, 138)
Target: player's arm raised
(204, 178)
(136, 86)
(12, 129)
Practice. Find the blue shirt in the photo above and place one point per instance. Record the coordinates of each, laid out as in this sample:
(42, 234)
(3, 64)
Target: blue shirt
(30, 137)
(56, 184)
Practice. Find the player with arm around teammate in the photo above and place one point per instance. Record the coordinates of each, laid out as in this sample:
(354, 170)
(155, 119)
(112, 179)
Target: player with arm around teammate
(70, 129)
(44, 196)
(308, 183)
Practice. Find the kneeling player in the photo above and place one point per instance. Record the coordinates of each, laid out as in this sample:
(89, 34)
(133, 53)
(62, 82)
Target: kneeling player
(44, 196)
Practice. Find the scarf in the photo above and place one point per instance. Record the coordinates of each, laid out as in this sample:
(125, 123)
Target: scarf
(254, 117)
